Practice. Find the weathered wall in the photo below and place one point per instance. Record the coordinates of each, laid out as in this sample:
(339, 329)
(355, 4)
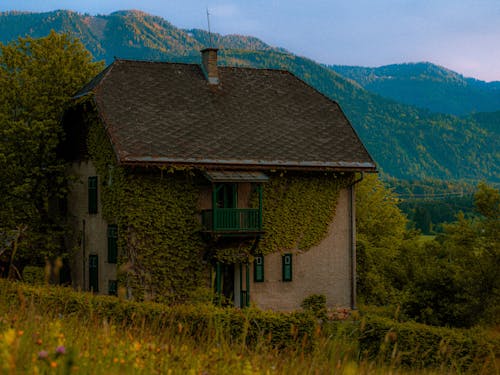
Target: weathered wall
(89, 231)
(323, 269)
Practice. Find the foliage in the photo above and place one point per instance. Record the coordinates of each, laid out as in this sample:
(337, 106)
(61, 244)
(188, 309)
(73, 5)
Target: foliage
(451, 280)
(33, 275)
(414, 345)
(56, 330)
(430, 203)
(298, 210)
(161, 256)
(280, 329)
(316, 304)
(457, 282)
(381, 231)
(407, 142)
(38, 77)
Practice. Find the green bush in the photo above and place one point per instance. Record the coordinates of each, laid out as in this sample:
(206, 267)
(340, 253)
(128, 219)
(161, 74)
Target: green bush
(374, 337)
(316, 304)
(34, 275)
(250, 326)
(419, 345)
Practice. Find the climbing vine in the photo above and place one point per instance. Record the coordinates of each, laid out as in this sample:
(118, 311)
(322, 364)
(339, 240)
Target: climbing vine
(298, 210)
(159, 235)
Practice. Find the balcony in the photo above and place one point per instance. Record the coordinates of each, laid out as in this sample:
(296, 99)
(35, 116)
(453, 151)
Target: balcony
(232, 221)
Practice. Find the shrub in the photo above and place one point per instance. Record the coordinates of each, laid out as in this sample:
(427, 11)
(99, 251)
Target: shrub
(34, 275)
(315, 304)
(279, 330)
(419, 345)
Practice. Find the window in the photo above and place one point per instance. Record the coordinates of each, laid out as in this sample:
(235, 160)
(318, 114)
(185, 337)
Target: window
(92, 193)
(227, 196)
(287, 267)
(93, 273)
(258, 269)
(112, 243)
(112, 288)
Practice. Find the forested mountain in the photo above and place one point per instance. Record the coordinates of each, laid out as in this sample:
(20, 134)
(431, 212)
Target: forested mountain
(406, 142)
(427, 86)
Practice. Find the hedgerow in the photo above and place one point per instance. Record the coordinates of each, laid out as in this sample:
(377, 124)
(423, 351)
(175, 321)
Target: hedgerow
(249, 325)
(377, 338)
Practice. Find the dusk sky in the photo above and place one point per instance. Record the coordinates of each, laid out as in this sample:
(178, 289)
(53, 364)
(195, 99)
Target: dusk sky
(462, 35)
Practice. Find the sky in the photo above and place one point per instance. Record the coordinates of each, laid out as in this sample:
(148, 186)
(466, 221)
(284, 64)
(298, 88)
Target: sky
(462, 35)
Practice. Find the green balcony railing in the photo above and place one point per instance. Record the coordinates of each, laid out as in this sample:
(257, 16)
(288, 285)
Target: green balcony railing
(232, 220)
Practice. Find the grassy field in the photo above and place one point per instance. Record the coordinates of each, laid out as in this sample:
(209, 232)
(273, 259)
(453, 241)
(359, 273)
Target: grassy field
(37, 339)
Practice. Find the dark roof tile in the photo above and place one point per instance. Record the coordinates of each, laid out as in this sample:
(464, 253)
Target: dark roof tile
(168, 113)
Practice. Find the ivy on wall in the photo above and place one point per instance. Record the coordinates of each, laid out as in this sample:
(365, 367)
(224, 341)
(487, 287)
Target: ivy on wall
(159, 233)
(298, 210)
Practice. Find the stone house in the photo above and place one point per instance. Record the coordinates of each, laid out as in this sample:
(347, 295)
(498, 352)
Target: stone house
(237, 179)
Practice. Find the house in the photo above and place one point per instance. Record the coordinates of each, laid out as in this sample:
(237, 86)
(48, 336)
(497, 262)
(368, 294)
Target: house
(236, 179)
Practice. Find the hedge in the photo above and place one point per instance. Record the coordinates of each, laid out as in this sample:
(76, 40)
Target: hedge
(418, 345)
(378, 338)
(280, 330)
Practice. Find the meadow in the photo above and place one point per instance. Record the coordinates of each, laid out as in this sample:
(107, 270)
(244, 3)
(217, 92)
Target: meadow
(53, 330)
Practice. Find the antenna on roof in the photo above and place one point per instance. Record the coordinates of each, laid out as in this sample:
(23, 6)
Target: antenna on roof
(209, 31)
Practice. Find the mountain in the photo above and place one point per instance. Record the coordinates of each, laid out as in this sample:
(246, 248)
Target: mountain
(427, 86)
(407, 142)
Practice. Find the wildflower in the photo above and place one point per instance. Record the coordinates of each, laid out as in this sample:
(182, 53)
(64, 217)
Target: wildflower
(9, 337)
(53, 364)
(60, 350)
(43, 354)
(20, 332)
(137, 346)
(39, 341)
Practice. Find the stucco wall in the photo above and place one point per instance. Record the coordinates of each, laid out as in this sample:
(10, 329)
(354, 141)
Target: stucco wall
(323, 269)
(89, 235)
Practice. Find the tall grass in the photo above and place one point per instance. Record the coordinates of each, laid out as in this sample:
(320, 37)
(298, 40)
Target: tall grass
(36, 338)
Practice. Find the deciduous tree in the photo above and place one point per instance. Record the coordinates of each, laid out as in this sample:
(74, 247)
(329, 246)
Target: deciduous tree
(37, 79)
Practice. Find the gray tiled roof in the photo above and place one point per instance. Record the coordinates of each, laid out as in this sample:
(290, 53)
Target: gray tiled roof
(167, 113)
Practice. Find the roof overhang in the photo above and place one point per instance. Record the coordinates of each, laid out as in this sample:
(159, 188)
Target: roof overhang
(254, 164)
(235, 176)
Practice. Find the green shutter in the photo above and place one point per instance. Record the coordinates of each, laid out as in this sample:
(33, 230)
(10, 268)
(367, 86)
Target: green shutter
(287, 267)
(92, 194)
(93, 273)
(112, 243)
(258, 269)
(112, 288)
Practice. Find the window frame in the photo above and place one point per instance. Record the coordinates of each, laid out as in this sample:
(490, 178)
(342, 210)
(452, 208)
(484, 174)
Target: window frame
(287, 267)
(92, 194)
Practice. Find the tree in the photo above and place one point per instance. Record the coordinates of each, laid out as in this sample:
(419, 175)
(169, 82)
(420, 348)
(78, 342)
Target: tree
(381, 231)
(38, 78)
(454, 281)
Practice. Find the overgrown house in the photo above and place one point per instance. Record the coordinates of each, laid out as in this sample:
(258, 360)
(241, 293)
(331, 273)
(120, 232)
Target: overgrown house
(235, 179)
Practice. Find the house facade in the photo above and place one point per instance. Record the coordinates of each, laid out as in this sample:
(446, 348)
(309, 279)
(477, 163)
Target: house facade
(235, 179)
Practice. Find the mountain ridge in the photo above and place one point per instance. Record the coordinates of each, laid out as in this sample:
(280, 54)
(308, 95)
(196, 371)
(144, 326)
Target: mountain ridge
(427, 85)
(406, 141)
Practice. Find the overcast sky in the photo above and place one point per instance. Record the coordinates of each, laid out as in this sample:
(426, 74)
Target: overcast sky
(462, 35)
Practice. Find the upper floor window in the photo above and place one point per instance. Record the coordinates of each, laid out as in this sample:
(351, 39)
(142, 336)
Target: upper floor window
(227, 195)
(112, 243)
(92, 194)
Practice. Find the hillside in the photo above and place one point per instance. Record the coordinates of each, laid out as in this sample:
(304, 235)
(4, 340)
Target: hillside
(407, 142)
(427, 86)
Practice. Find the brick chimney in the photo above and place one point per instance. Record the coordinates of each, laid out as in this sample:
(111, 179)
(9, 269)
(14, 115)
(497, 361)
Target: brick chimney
(209, 65)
